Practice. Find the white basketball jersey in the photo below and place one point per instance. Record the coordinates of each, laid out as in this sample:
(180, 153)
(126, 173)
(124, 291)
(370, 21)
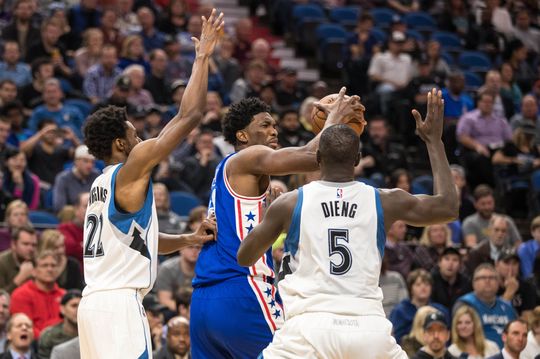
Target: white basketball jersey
(334, 250)
(120, 249)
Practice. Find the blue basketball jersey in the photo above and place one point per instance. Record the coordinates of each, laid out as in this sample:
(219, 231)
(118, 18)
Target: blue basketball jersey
(236, 216)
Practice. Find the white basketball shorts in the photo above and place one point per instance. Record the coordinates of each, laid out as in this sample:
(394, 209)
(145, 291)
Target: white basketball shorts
(112, 324)
(332, 336)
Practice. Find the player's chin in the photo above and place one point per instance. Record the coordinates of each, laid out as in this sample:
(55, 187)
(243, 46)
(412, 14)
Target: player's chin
(273, 145)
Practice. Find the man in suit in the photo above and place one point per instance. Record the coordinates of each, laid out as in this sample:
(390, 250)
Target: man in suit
(20, 335)
(67, 350)
(514, 338)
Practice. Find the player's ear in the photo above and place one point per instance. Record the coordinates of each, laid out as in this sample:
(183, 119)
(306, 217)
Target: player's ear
(242, 136)
(358, 157)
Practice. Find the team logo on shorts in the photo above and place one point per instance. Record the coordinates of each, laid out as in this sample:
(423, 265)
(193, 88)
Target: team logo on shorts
(339, 193)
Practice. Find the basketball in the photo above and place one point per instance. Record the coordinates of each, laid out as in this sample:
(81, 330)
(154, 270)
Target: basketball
(355, 121)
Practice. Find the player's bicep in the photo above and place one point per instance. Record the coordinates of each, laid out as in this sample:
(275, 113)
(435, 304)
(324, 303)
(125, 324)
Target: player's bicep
(141, 160)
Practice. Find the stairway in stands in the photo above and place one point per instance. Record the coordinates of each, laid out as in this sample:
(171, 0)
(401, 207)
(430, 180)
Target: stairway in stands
(284, 54)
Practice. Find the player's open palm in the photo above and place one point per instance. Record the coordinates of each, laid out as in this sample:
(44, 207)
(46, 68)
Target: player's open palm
(210, 34)
(430, 129)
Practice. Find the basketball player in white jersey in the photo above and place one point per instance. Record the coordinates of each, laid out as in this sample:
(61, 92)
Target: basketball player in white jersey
(334, 247)
(121, 238)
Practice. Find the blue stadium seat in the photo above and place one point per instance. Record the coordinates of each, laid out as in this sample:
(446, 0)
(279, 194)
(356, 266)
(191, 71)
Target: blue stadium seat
(183, 202)
(474, 61)
(331, 52)
(308, 11)
(448, 58)
(383, 16)
(307, 18)
(420, 21)
(422, 185)
(414, 34)
(535, 180)
(448, 40)
(472, 81)
(42, 219)
(345, 16)
(379, 34)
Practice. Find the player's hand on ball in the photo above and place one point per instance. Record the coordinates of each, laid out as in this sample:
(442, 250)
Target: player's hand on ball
(212, 29)
(431, 128)
(338, 108)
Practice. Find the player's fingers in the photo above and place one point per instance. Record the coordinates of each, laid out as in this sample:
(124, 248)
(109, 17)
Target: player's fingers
(204, 21)
(321, 107)
(218, 20)
(441, 105)
(417, 118)
(195, 41)
(212, 16)
(342, 92)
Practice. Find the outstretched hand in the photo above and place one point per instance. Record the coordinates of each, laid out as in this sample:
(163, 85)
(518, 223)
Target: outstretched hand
(210, 34)
(431, 128)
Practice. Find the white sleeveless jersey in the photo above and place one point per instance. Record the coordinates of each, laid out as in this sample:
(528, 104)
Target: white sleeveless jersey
(120, 249)
(333, 251)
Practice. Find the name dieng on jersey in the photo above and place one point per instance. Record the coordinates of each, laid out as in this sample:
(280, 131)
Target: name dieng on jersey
(98, 194)
(339, 209)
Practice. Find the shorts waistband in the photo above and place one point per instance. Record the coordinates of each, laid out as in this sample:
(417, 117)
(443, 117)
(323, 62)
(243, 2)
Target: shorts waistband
(120, 291)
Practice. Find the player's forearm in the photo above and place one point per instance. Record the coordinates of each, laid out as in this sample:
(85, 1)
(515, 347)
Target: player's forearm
(194, 99)
(253, 247)
(443, 184)
(168, 243)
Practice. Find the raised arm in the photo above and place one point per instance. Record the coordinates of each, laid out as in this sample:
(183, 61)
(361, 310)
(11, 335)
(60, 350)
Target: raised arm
(276, 220)
(443, 205)
(263, 160)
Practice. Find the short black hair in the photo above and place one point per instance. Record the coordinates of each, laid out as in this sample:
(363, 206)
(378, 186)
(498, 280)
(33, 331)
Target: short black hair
(240, 116)
(519, 320)
(45, 122)
(102, 128)
(37, 63)
(339, 144)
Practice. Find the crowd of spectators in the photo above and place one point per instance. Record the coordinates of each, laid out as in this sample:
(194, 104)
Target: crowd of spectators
(469, 288)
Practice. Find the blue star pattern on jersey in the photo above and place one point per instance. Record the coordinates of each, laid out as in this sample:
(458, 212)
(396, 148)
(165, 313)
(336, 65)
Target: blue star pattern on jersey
(268, 292)
(250, 228)
(250, 216)
(277, 313)
(272, 303)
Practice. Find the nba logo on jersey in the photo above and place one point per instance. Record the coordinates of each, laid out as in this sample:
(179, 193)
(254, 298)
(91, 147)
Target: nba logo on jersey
(339, 193)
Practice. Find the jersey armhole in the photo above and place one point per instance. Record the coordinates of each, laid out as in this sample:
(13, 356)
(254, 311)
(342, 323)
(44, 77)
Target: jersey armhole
(381, 233)
(293, 233)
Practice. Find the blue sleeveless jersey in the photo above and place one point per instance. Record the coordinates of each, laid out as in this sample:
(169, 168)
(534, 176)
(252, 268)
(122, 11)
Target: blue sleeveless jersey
(236, 216)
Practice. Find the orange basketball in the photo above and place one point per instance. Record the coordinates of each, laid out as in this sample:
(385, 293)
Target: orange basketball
(355, 121)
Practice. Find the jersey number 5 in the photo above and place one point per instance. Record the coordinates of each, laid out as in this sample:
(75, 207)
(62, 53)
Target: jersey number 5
(93, 225)
(334, 237)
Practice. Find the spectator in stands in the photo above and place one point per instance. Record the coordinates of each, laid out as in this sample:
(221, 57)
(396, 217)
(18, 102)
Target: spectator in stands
(21, 29)
(16, 216)
(393, 287)
(178, 341)
(414, 340)
(53, 107)
(500, 17)
(400, 257)
(111, 34)
(449, 283)
(390, 70)
(99, 79)
(529, 250)
(380, 155)
(213, 115)
(65, 330)
(524, 32)
(49, 46)
(528, 115)
(175, 274)
(533, 338)
(251, 83)
(156, 81)
(514, 337)
(289, 93)
(456, 101)
(127, 21)
(70, 183)
(19, 181)
(492, 310)
(480, 132)
(70, 271)
(169, 222)
(81, 17)
(467, 201)
(8, 91)
(5, 148)
(419, 283)
(119, 95)
(155, 315)
(152, 37)
(4, 318)
(174, 17)
(90, 53)
(503, 104)
(67, 350)
(73, 231)
(475, 226)
(436, 334)
(40, 297)
(20, 336)
(11, 67)
(13, 112)
(177, 93)
(512, 288)
(31, 94)
(228, 66)
(488, 251)
(468, 340)
(433, 242)
(133, 53)
(138, 95)
(243, 33)
(178, 66)
(516, 55)
(193, 29)
(509, 87)
(404, 6)
(291, 132)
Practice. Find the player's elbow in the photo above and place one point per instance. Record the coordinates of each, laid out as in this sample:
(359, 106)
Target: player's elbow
(243, 258)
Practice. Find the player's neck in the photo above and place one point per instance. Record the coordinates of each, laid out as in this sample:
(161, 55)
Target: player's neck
(337, 175)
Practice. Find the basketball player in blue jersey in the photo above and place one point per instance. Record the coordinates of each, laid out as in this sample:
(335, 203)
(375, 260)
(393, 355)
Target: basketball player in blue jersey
(121, 238)
(334, 247)
(234, 312)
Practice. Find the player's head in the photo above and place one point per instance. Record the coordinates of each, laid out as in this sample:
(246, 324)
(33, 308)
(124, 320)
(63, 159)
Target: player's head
(339, 148)
(109, 135)
(249, 123)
